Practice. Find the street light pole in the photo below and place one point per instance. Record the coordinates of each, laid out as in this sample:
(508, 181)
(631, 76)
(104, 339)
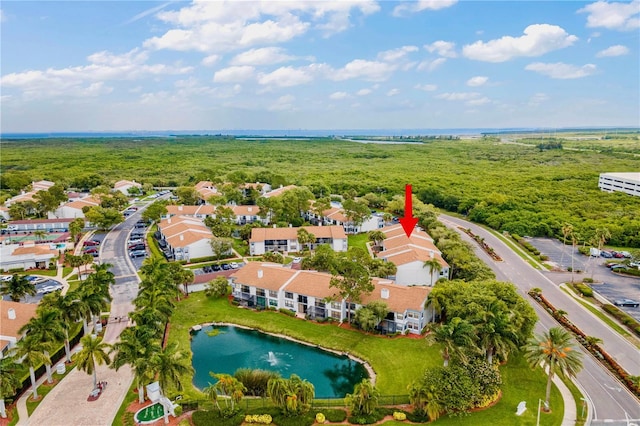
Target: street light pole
(538, 420)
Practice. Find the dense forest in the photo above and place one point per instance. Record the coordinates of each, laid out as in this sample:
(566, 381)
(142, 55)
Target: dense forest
(513, 187)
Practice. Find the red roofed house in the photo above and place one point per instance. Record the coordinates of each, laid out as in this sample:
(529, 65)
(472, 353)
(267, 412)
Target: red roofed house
(124, 186)
(206, 190)
(308, 293)
(28, 256)
(244, 214)
(187, 237)
(73, 209)
(13, 316)
(286, 239)
(410, 254)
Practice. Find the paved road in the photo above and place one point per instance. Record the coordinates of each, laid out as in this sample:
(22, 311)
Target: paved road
(608, 397)
(66, 404)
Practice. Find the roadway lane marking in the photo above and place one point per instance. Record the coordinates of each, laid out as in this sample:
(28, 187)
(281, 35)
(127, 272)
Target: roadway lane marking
(126, 276)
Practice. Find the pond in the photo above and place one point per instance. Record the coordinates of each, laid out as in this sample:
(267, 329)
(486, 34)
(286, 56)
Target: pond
(224, 349)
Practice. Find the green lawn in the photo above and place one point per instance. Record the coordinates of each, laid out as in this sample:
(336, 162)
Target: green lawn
(358, 240)
(396, 361)
(240, 246)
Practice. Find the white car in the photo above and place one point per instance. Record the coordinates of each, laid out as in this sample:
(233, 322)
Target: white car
(49, 289)
(135, 241)
(6, 278)
(297, 259)
(234, 265)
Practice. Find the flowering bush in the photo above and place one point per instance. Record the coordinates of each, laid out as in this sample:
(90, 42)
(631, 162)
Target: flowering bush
(263, 419)
(320, 418)
(397, 415)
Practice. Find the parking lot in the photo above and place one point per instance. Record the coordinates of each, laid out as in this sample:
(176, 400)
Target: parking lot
(43, 285)
(610, 285)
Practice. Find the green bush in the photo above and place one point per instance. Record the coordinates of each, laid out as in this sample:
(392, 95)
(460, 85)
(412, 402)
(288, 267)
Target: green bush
(213, 418)
(362, 419)
(334, 415)
(287, 312)
(584, 289)
(587, 280)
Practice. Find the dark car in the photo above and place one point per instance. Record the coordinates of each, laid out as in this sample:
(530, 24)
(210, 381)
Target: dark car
(140, 225)
(606, 254)
(225, 267)
(629, 303)
(215, 267)
(162, 244)
(91, 243)
(91, 250)
(139, 246)
(207, 269)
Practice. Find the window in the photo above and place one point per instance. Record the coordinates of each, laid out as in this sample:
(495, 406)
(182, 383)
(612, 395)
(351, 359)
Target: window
(302, 299)
(335, 315)
(336, 305)
(413, 315)
(288, 295)
(245, 289)
(412, 326)
(260, 292)
(288, 303)
(273, 302)
(273, 294)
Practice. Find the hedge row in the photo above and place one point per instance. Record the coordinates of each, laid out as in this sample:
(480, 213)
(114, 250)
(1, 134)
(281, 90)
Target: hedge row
(584, 289)
(622, 316)
(524, 243)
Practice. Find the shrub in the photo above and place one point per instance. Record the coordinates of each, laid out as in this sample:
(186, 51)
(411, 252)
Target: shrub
(366, 419)
(218, 288)
(214, 418)
(255, 380)
(400, 416)
(178, 411)
(335, 415)
(287, 312)
(320, 418)
(584, 289)
(587, 280)
(263, 419)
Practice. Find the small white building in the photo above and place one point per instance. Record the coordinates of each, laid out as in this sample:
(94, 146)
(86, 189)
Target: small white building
(28, 256)
(337, 216)
(74, 209)
(286, 239)
(187, 237)
(124, 186)
(31, 225)
(629, 183)
(410, 254)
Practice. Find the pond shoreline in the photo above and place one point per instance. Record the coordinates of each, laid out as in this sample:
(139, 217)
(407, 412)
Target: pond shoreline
(367, 366)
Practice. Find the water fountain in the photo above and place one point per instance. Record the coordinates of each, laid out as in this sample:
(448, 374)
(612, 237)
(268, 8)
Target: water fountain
(272, 359)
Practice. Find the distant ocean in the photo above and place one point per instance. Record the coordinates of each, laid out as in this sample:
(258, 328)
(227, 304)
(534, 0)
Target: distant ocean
(291, 133)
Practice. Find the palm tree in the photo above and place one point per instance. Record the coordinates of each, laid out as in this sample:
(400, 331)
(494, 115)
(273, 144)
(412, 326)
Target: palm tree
(9, 380)
(227, 386)
(17, 288)
(69, 311)
(93, 353)
(456, 338)
(364, 399)
(31, 351)
(433, 265)
(136, 347)
(170, 363)
(47, 328)
(567, 229)
(495, 332)
(292, 395)
(555, 351)
(376, 237)
(91, 304)
(39, 234)
(424, 400)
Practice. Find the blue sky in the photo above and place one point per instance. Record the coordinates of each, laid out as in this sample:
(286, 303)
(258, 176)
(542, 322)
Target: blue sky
(207, 65)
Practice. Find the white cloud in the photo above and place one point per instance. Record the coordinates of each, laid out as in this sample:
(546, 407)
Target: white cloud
(393, 92)
(613, 16)
(396, 54)
(366, 70)
(286, 77)
(364, 92)
(222, 26)
(147, 12)
(406, 8)
(210, 60)
(338, 95)
(458, 96)
(283, 103)
(443, 48)
(427, 65)
(538, 98)
(477, 102)
(233, 74)
(617, 50)
(103, 66)
(477, 81)
(561, 70)
(537, 40)
(262, 56)
(426, 87)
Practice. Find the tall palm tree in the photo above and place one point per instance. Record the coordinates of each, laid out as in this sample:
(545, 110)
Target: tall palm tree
(94, 352)
(555, 351)
(69, 311)
(424, 400)
(9, 380)
(170, 363)
(433, 265)
(17, 288)
(91, 304)
(136, 347)
(292, 395)
(364, 399)
(31, 351)
(567, 229)
(496, 334)
(456, 338)
(227, 386)
(376, 237)
(46, 327)
(39, 234)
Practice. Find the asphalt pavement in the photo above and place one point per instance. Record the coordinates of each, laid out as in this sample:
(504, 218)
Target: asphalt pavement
(609, 400)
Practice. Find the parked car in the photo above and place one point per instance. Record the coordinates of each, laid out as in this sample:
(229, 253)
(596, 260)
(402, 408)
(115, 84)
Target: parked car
(618, 255)
(625, 254)
(234, 265)
(606, 254)
(225, 267)
(49, 289)
(162, 244)
(297, 259)
(629, 303)
(215, 267)
(135, 240)
(137, 247)
(91, 250)
(138, 253)
(6, 278)
(140, 225)
(91, 243)
(618, 267)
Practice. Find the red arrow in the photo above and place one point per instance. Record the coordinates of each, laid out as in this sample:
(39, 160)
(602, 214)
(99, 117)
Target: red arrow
(408, 222)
